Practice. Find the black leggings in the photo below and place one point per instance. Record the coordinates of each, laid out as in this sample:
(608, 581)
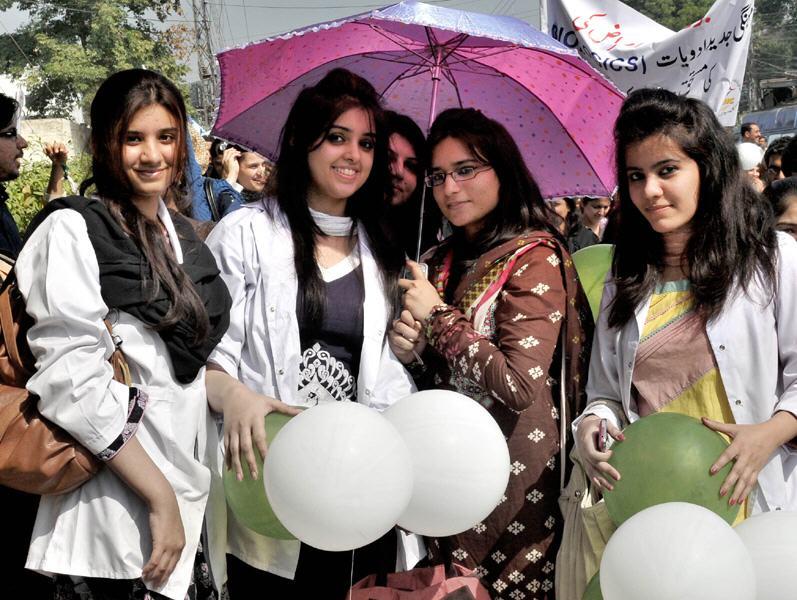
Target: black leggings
(320, 575)
(18, 582)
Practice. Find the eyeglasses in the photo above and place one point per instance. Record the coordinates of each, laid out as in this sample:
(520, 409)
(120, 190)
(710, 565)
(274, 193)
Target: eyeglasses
(462, 173)
(9, 134)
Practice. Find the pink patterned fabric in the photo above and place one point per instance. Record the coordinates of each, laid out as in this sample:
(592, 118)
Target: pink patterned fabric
(559, 110)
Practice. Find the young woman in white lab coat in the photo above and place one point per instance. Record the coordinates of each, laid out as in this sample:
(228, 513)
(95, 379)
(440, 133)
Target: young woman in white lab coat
(134, 529)
(313, 281)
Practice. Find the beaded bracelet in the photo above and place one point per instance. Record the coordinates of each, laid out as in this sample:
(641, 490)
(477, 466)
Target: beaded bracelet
(437, 309)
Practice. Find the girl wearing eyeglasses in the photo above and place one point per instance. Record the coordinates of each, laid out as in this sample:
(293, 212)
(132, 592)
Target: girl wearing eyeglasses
(501, 311)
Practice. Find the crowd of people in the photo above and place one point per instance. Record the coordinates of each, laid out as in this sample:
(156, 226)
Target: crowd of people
(308, 288)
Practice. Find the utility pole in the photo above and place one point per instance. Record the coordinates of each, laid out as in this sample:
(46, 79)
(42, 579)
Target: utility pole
(754, 93)
(206, 60)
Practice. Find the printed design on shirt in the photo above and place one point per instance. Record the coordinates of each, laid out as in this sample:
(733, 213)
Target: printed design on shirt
(323, 378)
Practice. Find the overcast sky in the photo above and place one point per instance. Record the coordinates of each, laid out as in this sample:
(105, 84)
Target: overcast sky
(237, 22)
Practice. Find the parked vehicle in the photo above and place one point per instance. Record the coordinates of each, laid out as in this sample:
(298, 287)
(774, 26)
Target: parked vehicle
(774, 122)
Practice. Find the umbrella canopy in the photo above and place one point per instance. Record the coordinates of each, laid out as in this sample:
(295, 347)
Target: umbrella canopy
(423, 59)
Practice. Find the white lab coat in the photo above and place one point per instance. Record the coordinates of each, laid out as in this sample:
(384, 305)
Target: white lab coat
(754, 342)
(262, 348)
(102, 528)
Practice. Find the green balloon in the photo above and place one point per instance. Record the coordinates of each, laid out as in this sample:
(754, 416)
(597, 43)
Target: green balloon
(593, 591)
(247, 498)
(666, 457)
(592, 263)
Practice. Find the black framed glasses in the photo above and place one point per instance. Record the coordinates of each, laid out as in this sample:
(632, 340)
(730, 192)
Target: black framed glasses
(462, 173)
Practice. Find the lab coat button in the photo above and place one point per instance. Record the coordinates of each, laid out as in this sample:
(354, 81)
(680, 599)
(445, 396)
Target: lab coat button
(722, 347)
(272, 308)
(738, 403)
(281, 371)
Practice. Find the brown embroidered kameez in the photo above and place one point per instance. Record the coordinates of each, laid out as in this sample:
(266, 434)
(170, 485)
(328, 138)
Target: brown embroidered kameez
(499, 343)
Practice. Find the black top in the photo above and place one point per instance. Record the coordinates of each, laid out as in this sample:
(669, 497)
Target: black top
(580, 238)
(330, 360)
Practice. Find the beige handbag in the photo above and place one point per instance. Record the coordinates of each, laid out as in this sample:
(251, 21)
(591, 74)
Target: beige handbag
(587, 530)
(587, 525)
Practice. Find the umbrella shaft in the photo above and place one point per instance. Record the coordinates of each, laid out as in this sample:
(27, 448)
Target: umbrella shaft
(438, 60)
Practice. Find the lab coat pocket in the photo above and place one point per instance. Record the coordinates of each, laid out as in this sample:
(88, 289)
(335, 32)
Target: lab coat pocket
(163, 427)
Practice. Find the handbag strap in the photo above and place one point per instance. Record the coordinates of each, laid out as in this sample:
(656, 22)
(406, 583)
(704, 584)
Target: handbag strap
(210, 196)
(562, 412)
(121, 369)
(7, 320)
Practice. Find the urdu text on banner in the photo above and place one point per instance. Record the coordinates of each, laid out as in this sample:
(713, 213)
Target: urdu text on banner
(705, 60)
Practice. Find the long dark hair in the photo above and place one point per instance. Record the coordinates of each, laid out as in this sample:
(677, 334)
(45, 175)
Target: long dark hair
(520, 204)
(117, 100)
(572, 223)
(731, 241)
(781, 194)
(311, 117)
(404, 218)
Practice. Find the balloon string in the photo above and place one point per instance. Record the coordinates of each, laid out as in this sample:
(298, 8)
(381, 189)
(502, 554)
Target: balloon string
(351, 574)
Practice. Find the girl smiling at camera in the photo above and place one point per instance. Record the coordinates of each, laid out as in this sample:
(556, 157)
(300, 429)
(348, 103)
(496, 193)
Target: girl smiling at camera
(312, 279)
(700, 316)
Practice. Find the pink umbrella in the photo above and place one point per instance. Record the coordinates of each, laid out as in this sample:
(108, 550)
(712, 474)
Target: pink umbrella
(423, 59)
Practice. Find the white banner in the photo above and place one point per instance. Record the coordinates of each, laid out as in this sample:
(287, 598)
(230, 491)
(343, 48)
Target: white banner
(705, 60)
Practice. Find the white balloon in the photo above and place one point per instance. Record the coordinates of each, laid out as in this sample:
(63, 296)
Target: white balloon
(771, 539)
(338, 476)
(460, 461)
(676, 550)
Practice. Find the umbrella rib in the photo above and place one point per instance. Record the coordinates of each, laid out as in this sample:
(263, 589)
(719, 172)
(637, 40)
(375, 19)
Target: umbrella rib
(406, 61)
(405, 75)
(395, 39)
(487, 55)
(447, 73)
(450, 46)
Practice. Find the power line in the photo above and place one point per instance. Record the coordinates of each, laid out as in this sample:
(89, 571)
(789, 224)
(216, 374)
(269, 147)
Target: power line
(246, 21)
(27, 59)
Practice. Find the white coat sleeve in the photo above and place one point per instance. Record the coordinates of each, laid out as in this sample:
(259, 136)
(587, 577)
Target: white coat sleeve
(58, 275)
(393, 382)
(604, 398)
(227, 245)
(786, 316)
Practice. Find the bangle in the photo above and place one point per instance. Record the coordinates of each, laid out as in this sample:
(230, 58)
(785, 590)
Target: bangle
(437, 309)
